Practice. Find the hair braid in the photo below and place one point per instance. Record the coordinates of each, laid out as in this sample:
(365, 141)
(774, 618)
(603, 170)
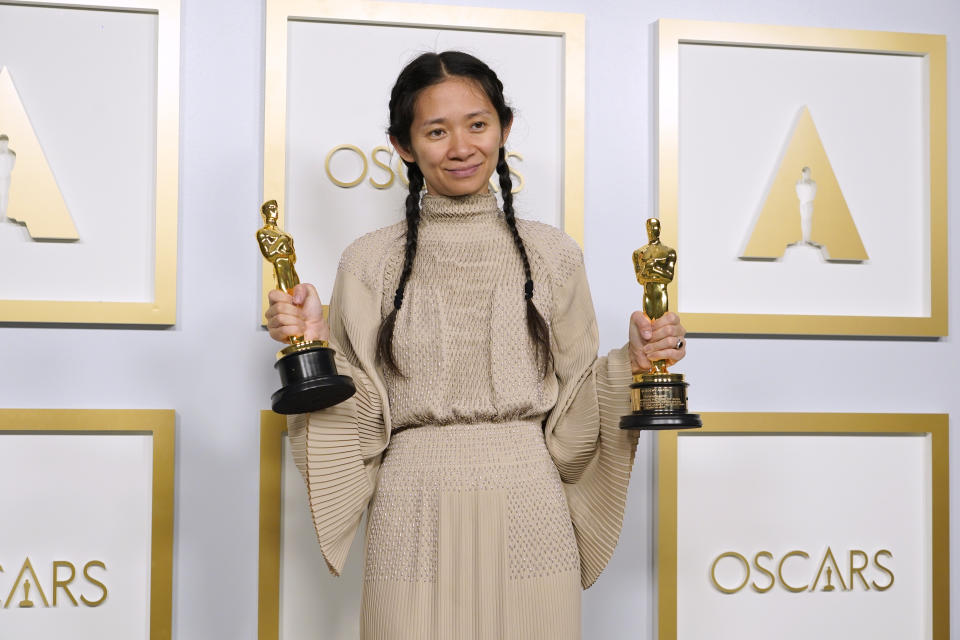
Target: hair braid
(385, 334)
(536, 325)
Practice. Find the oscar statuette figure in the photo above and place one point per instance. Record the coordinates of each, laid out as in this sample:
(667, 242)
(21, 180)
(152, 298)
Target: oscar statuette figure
(307, 369)
(658, 398)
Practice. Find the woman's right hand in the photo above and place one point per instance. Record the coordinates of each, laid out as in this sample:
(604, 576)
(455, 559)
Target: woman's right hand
(300, 314)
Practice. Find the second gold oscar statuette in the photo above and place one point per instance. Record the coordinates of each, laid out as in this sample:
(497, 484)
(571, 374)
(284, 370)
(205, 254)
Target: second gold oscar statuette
(658, 398)
(307, 369)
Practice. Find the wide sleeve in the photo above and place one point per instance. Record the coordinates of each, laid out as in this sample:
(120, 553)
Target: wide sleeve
(593, 455)
(338, 450)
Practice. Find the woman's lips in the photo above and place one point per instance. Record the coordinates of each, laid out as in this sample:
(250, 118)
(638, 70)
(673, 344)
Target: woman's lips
(464, 172)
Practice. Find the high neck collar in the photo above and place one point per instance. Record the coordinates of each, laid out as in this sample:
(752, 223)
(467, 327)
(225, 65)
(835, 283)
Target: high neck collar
(460, 207)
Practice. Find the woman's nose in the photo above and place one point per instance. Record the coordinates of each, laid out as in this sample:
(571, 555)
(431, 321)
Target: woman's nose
(459, 145)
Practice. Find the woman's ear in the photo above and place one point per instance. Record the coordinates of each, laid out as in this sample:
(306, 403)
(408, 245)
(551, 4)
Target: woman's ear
(404, 153)
(505, 133)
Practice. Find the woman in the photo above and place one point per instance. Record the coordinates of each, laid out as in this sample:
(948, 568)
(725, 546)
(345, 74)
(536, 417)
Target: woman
(484, 432)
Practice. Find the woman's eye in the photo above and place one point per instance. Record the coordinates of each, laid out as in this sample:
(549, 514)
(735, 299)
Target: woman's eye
(435, 133)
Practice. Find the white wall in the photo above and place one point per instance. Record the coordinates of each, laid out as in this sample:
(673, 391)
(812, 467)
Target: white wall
(214, 366)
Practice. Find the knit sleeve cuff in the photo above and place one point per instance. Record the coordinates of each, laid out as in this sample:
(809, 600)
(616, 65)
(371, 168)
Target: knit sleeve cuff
(597, 501)
(327, 447)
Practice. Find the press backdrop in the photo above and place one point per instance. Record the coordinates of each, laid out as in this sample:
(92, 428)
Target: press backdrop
(213, 367)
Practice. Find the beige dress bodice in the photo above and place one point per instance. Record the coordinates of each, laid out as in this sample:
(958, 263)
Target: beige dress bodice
(463, 347)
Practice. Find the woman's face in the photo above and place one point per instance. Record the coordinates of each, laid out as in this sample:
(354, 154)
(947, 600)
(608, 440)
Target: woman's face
(455, 137)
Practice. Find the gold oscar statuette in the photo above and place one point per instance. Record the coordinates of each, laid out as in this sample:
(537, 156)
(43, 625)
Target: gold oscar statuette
(658, 398)
(307, 368)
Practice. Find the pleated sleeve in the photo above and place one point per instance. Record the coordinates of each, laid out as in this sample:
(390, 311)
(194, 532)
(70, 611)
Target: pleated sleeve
(338, 450)
(593, 455)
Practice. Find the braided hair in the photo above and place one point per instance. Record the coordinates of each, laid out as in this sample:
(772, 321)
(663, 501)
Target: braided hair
(536, 325)
(427, 70)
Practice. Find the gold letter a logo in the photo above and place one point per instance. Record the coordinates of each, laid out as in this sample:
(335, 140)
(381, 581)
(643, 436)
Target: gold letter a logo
(805, 204)
(28, 190)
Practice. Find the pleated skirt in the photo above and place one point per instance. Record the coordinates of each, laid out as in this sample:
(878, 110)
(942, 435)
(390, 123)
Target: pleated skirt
(469, 537)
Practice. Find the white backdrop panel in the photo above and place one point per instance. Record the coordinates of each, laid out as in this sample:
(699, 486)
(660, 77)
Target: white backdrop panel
(737, 109)
(91, 100)
(339, 82)
(806, 492)
(77, 498)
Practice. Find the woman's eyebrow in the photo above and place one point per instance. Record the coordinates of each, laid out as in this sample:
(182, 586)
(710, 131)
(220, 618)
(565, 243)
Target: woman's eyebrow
(442, 120)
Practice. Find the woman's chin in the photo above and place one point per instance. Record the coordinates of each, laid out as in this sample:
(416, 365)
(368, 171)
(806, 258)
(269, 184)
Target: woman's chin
(459, 190)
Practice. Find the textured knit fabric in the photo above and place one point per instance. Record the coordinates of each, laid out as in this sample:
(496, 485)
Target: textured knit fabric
(494, 495)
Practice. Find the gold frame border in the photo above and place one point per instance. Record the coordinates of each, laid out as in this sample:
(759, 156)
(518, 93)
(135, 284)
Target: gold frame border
(162, 310)
(569, 26)
(161, 425)
(673, 33)
(273, 427)
(865, 424)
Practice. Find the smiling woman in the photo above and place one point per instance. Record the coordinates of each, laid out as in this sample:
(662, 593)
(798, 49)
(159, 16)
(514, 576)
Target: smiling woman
(455, 138)
(483, 437)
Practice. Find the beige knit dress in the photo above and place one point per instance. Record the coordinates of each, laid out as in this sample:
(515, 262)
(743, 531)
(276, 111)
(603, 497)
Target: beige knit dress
(494, 496)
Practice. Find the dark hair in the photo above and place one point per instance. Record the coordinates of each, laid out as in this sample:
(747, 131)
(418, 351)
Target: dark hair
(427, 70)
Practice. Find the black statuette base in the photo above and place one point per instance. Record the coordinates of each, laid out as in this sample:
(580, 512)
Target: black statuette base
(310, 382)
(659, 402)
(659, 423)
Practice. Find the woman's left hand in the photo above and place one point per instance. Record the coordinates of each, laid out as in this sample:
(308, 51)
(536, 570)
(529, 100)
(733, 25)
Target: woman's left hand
(660, 340)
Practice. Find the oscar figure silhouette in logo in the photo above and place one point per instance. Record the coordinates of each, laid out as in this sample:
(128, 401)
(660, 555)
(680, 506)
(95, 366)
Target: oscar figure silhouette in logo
(26, 603)
(829, 586)
(806, 193)
(8, 158)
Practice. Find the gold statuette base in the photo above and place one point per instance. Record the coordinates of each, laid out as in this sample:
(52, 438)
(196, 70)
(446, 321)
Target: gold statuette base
(659, 401)
(297, 347)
